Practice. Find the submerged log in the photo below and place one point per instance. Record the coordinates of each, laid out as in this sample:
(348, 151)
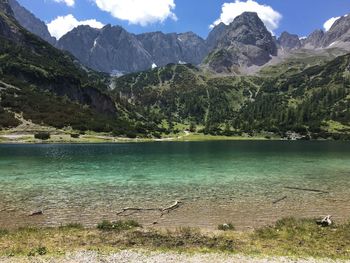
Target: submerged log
(37, 213)
(307, 190)
(161, 210)
(280, 200)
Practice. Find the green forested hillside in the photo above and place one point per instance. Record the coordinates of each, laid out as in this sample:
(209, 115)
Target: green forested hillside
(49, 87)
(313, 102)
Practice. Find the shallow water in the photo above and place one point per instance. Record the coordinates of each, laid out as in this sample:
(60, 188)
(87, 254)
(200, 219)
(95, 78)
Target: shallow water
(235, 181)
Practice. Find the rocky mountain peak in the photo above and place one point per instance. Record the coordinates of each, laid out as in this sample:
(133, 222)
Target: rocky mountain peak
(289, 41)
(215, 34)
(243, 43)
(248, 29)
(314, 39)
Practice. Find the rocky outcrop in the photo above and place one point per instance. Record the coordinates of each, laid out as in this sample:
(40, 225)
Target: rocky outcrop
(30, 22)
(243, 43)
(289, 41)
(339, 32)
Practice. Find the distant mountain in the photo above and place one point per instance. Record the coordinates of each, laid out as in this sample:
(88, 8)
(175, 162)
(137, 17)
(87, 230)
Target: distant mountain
(314, 40)
(174, 48)
(289, 41)
(112, 48)
(243, 43)
(337, 36)
(108, 49)
(30, 22)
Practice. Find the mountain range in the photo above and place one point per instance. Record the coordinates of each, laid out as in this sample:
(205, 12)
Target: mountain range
(239, 47)
(302, 86)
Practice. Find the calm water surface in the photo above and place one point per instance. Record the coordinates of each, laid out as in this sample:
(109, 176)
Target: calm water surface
(235, 181)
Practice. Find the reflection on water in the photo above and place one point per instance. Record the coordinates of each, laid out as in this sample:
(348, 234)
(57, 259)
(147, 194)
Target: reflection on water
(218, 181)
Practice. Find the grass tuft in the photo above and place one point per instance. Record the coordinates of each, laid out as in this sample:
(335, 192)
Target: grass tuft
(118, 225)
(39, 251)
(226, 227)
(72, 226)
(3, 232)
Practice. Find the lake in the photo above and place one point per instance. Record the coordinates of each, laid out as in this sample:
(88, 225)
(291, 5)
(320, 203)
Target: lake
(217, 182)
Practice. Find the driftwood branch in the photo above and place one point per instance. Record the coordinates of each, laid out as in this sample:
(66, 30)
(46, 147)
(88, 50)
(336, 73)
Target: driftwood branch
(280, 200)
(170, 208)
(161, 210)
(307, 189)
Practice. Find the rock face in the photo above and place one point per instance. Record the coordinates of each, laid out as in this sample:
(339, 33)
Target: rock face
(314, 39)
(30, 22)
(174, 48)
(243, 43)
(5, 7)
(339, 32)
(289, 41)
(114, 49)
(107, 49)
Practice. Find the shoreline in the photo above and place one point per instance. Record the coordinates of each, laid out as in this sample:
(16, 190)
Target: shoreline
(18, 138)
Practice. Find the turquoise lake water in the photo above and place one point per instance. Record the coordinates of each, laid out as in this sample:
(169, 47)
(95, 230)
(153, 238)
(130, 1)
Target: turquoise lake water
(217, 181)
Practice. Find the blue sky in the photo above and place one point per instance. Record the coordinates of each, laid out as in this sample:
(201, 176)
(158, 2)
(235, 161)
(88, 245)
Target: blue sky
(298, 16)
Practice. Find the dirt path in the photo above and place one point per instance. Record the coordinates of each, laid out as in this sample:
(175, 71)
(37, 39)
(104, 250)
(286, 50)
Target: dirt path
(162, 257)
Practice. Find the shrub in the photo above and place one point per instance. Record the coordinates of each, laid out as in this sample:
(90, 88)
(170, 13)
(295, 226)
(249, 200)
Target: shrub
(42, 136)
(75, 136)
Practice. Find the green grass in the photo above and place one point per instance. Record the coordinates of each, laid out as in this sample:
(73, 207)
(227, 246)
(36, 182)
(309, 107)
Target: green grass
(288, 237)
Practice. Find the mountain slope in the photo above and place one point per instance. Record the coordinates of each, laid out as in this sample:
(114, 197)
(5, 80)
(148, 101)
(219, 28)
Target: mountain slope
(30, 22)
(47, 86)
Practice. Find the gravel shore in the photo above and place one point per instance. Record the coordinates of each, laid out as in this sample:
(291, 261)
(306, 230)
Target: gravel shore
(129, 256)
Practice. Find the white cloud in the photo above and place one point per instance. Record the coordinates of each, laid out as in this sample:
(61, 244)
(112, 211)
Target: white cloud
(63, 24)
(267, 14)
(329, 23)
(67, 2)
(142, 12)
